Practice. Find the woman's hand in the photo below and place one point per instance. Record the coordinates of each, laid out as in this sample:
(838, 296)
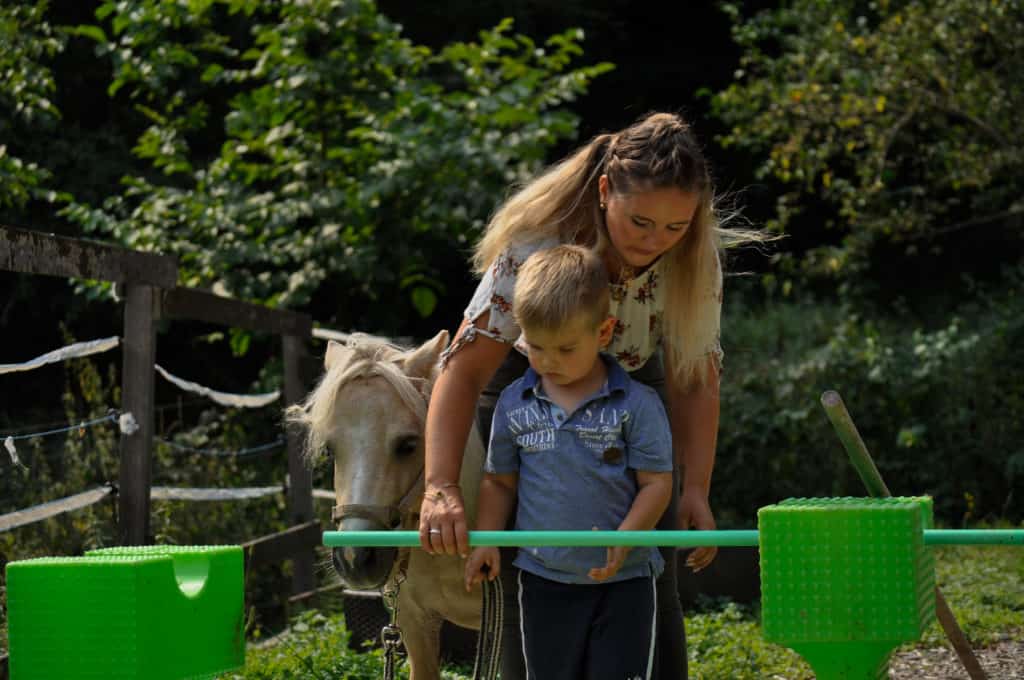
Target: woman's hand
(695, 513)
(693, 413)
(443, 521)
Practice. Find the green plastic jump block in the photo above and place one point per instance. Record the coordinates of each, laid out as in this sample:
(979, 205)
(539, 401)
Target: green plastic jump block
(846, 580)
(153, 612)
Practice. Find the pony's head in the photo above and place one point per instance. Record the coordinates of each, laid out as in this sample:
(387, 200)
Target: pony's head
(368, 412)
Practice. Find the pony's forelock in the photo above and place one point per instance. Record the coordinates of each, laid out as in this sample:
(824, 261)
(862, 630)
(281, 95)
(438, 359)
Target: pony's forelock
(367, 356)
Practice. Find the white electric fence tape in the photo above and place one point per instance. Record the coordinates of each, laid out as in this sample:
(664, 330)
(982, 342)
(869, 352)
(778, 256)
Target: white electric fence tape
(327, 334)
(18, 518)
(79, 349)
(13, 452)
(223, 398)
(169, 493)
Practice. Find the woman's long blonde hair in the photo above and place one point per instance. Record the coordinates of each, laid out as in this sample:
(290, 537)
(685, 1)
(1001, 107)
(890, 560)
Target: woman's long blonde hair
(657, 152)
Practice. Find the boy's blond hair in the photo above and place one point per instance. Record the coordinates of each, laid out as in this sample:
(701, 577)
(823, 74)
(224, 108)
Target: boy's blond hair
(557, 285)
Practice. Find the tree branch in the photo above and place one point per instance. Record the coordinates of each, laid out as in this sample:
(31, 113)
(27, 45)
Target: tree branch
(1005, 215)
(977, 122)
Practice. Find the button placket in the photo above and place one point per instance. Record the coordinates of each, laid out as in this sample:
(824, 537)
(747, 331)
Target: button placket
(559, 415)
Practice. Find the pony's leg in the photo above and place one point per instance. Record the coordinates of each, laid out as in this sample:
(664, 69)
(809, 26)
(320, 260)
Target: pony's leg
(421, 632)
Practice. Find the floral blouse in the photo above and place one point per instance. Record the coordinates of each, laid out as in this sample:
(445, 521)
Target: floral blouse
(638, 306)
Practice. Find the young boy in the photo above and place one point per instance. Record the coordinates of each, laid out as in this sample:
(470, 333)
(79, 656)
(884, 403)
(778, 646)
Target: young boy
(576, 445)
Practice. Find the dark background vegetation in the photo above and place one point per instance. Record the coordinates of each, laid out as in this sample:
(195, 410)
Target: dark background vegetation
(903, 294)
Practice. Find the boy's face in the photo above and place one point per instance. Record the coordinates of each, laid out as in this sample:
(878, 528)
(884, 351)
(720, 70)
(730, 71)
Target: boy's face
(567, 354)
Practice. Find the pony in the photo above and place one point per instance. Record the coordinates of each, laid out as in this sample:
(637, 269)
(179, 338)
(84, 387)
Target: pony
(368, 412)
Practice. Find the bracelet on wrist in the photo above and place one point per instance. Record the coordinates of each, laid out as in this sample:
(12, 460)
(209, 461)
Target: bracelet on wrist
(446, 485)
(435, 492)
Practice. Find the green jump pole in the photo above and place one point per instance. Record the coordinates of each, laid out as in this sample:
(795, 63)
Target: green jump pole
(594, 539)
(974, 537)
(601, 539)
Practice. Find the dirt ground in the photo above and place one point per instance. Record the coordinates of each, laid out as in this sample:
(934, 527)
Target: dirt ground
(1001, 661)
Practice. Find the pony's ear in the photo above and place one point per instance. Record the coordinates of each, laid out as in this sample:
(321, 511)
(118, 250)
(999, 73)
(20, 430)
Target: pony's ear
(336, 352)
(422, 361)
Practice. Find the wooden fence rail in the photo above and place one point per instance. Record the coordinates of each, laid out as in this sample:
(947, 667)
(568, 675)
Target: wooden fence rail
(150, 293)
(34, 252)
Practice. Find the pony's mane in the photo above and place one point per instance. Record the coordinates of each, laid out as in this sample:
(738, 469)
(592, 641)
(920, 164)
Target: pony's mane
(365, 356)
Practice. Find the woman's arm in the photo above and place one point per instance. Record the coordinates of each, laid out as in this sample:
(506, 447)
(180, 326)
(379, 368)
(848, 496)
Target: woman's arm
(693, 415)
(450, 417)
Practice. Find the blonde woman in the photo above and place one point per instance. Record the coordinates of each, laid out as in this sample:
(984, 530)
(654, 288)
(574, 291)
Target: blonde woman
(643, 199)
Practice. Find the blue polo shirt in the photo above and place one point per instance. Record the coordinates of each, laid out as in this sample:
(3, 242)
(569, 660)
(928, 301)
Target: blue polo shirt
(577, 470)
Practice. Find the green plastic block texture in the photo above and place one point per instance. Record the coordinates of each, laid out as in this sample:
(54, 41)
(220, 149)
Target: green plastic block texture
(153, 612)
(846, 580)
(846, 569)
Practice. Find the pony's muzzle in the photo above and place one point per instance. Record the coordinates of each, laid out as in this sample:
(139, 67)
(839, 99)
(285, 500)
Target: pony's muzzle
(362, 568)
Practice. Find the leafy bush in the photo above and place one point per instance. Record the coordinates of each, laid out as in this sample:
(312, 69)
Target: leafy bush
(58, 466)
(727, 645)
(348, 162)
(316, 647)
(937, 408)
(889, 123)
(26, 105)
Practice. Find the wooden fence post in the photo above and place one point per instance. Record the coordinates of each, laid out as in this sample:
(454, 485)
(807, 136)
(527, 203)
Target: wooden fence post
(300, 477)
(141, 310)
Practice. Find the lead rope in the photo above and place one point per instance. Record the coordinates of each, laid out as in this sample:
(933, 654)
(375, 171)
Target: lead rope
(488, 645)
(391, 634)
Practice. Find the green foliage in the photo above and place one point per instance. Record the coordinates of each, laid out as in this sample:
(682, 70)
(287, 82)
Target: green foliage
(937, 407)
(889, 122)
(347, 155)
(63, 465)
(984, 586)
(727, 644)
(316, 647)
(27, 42)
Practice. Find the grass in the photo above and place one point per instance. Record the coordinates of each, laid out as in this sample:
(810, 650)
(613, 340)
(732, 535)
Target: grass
(983, 585)
(316, 648)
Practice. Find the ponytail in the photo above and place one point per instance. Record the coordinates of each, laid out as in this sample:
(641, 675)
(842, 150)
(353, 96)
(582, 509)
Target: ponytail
(561, 202)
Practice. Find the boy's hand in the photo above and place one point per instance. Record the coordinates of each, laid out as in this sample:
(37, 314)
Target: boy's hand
(483, 563)
(616, 556)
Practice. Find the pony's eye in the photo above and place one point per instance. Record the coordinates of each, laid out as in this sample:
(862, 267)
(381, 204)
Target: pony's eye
(406, 446)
